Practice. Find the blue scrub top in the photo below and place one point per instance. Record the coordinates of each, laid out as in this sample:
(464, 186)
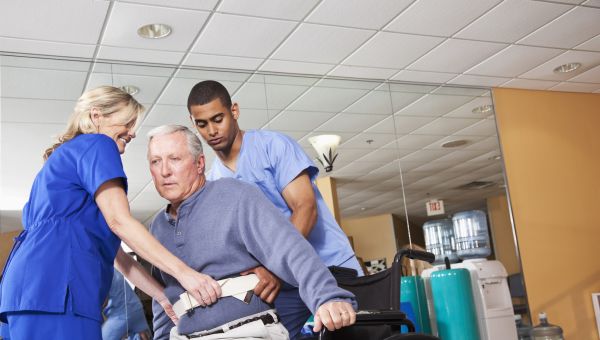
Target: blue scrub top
(271, 160)
(66, 244)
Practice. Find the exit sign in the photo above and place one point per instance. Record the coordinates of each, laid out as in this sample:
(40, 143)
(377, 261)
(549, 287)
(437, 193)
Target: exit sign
(435, 207)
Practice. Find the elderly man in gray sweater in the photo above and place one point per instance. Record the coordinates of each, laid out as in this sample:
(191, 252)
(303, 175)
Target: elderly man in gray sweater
(226, 227)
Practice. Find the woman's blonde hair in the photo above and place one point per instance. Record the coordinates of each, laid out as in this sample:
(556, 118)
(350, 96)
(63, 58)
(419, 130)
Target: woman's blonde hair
(108, 100)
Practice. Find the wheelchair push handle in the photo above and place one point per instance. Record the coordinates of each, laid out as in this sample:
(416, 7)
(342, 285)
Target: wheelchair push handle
(414, 255)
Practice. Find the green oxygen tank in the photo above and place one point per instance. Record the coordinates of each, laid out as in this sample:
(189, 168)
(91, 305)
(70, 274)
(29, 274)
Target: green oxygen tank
(453, 304)
(412, 290)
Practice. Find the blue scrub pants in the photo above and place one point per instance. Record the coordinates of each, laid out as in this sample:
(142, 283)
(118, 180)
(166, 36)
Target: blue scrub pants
(35, 325)
(292, 311)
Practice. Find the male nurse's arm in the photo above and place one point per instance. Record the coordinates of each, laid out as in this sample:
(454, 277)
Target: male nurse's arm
(300, 197)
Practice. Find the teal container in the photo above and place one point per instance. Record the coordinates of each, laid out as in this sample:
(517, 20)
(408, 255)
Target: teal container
(412, 290)
(453, 304)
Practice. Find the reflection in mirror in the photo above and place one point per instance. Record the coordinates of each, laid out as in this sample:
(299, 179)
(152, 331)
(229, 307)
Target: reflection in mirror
(401, 144)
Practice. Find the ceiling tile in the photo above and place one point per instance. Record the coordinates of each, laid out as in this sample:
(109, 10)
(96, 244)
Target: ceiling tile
(345, 84)
(424, 77)
(229, 35)
(139, 55)
(529, 84)
(362, 72)
(150, 87)
(593, 3)
(466, 79)
(20, 45)
(139, 70)
(424, 156)
(382, 155)
(360, 141)
(222, 61)
(18, 110)
(402, 124)
(289, 10)
(16, 180)
(512, 20)
(590, 45)
(376, 102)
(450, 57)
(488, 144)
(50, 20)
(279, 96)
(576, 87)
(206, 5)
(444, 18)
(434, 105)
(44, 63)
(570, 30)
(466, 110)
(392, 50)
(168, 114)
(283, 79)
(222, 76)
(251, 96)
(321, 44)
(299, 120)
(125, 19)
(545, 71)
(589, 76)
(251, 119)
(295, 67)
(461, 91)
(444, 126)
(41, 84)
(357, 13)
(470, 141)
(514, 60)
(327, 99)
(415, 141)
(485, 127)
(177, 91)
(350, 122)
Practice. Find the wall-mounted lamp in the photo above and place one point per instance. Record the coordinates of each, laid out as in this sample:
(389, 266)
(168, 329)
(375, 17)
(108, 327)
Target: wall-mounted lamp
(326, 146)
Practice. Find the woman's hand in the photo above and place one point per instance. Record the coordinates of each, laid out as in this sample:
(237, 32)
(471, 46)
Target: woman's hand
(168, 307)
(202, 287)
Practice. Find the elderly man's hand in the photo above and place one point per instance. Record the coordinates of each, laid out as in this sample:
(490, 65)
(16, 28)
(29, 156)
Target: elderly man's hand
(268, 285)
(334, 315)
(202, 287)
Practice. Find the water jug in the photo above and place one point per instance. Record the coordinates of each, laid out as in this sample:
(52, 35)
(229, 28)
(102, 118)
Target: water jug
(522, 329)
(439, 240)
(471, 234)
(545, 330)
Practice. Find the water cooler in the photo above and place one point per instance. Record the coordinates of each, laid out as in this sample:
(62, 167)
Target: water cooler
(489, 286)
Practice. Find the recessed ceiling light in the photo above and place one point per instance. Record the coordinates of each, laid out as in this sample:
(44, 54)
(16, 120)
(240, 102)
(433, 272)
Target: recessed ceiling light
(154, 31)
(455, 143)
(363, 208)
(566, 68)
(130, 89)
(483, 109)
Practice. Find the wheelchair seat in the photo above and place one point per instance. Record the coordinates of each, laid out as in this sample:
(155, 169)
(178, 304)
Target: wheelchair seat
(378, 296)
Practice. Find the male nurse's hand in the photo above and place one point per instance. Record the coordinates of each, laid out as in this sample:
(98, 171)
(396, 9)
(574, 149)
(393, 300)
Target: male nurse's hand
(334, 315)
(268, 284)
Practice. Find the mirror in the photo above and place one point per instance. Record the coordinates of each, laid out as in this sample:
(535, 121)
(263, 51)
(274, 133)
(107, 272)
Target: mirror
(402, 144)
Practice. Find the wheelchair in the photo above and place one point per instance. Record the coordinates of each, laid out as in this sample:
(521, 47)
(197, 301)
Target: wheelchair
(378, 297)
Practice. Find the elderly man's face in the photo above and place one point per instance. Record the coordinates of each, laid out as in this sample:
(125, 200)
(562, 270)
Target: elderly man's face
(175, 172)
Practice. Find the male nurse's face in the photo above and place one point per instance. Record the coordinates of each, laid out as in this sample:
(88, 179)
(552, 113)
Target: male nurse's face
(216, 123)
(175, 172)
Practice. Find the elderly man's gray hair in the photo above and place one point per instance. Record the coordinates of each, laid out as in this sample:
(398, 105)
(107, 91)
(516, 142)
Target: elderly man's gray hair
(194, 143)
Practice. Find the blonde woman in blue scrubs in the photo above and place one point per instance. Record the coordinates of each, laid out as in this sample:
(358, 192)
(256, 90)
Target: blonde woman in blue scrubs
(60, 269)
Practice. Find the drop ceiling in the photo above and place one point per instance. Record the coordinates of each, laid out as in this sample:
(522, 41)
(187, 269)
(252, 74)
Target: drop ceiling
(403, 74)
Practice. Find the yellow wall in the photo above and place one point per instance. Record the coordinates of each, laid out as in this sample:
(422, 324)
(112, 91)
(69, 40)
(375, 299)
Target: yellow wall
(502, 234)
(374, 237)
(328, 189)
(551, 145)
(6, 243)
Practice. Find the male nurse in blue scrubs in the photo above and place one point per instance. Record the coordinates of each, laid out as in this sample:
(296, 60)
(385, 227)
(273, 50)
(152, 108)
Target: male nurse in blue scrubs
(285, 174)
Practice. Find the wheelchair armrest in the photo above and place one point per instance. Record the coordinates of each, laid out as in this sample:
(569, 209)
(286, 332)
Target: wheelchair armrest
(380, 317)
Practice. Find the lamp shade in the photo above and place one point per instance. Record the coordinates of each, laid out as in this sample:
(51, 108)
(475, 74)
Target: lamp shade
(326, 146)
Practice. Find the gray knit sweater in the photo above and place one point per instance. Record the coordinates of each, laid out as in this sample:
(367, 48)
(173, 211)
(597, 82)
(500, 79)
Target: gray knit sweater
(227, 227)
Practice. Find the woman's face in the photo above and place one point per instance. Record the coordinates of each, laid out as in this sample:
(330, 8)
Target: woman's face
(113, 127)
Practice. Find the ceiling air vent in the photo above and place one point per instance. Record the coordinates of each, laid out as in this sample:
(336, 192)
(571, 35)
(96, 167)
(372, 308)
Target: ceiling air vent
(475, 185)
